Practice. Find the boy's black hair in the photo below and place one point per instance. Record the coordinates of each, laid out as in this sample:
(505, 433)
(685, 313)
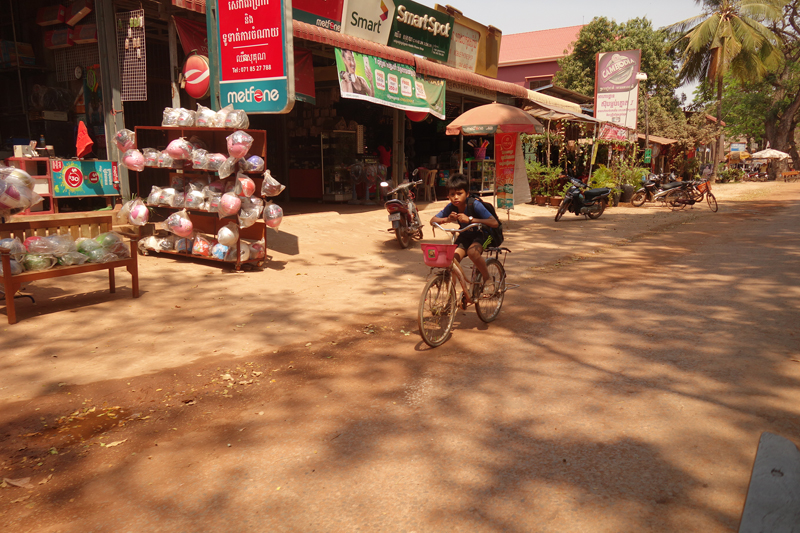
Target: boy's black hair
(459, 182)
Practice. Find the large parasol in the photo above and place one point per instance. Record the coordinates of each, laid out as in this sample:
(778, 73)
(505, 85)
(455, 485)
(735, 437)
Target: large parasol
(494, 118)
(770, 153)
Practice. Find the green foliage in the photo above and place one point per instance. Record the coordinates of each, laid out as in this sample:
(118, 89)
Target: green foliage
(730, 174)
(543, 179)
(603, 177)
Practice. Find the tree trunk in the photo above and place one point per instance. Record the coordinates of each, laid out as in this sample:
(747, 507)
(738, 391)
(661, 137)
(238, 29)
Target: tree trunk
(718, 153)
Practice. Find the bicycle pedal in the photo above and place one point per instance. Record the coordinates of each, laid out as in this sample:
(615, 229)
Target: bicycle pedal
(463, 303)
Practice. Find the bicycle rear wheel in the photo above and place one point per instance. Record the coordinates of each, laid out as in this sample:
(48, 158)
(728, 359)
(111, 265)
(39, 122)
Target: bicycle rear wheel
(712, 201)
(677, 199)
(437, 309)
(489, 307)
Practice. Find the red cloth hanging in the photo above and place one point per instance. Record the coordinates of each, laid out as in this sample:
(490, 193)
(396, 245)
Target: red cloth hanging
(84, 143)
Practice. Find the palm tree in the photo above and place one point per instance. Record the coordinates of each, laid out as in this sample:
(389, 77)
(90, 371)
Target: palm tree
(728, 36)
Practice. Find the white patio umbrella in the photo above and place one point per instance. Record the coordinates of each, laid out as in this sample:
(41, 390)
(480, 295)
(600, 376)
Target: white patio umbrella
(769, 153)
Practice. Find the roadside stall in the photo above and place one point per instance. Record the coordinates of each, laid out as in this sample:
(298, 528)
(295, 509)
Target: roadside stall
(504, 123)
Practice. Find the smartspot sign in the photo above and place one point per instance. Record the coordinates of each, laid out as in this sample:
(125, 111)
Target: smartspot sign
(421, 30)
(368, 19)
(256, 59)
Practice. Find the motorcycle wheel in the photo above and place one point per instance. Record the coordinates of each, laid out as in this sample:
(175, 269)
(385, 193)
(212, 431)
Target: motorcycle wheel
(596, 214)
(677, 199)
(562, 208)
(712, 202)
(403, 236)
(638, 199)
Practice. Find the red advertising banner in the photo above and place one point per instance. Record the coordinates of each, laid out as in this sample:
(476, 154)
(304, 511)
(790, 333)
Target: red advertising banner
(304, 76)
(250, 40)
(609, 132)
(505, 157)
(326, 14)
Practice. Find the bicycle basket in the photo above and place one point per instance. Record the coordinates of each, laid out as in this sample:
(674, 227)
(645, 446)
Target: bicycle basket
(438, 255)
(703, 186)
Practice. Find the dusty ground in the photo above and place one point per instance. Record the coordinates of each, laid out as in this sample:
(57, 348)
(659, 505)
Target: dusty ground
(300, 398)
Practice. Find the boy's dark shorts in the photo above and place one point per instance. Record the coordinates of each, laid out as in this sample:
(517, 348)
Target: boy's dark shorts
(468, 238)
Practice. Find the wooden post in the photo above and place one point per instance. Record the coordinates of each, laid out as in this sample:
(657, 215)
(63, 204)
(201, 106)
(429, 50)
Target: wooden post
(110, 84)
(174, 69)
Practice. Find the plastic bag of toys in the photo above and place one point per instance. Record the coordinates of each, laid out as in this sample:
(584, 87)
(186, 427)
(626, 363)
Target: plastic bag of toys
(180, 224)
(180, 148)
(125, 140)
(271, 186)
(17, 249)
(151, 157)
(273, 215)
(239, 143)
(205, 117)
(228, 234)
(133, 160)
(237, 119)
(229, 205)
(252, 164)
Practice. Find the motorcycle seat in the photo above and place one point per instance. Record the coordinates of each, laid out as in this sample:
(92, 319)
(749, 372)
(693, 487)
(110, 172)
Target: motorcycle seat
(594, 193)
(671, 185)
(395, 202)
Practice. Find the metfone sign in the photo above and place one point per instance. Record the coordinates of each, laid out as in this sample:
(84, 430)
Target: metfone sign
(256, 58)
(197, 76)
(326, 14)
(422, 31)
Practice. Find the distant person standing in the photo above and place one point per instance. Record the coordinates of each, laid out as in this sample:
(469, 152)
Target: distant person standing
(707, 172)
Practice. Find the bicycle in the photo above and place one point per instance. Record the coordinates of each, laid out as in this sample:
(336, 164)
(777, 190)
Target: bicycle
(693, 192)
(439, 301)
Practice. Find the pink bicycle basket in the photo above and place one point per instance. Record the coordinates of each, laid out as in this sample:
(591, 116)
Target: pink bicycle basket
(438, 255)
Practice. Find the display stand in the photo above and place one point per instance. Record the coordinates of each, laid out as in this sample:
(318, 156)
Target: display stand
(203, 221)
(481, 176)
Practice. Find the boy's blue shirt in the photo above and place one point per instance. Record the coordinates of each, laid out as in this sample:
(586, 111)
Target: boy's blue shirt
(480, 212)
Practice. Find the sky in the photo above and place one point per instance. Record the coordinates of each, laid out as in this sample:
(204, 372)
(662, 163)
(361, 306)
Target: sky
(519, 16)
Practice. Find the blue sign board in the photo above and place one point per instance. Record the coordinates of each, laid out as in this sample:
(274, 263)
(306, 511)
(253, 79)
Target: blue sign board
(92, 177)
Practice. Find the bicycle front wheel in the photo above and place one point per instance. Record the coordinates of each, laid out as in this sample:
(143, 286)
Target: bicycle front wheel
(488, 305)
(712, 201)
(437, 309)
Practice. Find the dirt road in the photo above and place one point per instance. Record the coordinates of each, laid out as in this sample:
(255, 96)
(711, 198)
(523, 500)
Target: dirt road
(623, 388)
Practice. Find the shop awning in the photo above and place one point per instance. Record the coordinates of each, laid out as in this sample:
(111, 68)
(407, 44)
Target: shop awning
(658, 140)
(547, 112)
(552, 101)
(429, 68)
(316, 34)
(309, 32)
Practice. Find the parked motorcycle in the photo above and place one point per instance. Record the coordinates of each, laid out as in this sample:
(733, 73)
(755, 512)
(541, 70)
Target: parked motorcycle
(669, 192)
(582, 200)
(652, 185)
(403, 213)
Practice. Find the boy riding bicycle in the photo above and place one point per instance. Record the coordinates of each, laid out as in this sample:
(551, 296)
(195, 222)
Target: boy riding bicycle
(470, 243)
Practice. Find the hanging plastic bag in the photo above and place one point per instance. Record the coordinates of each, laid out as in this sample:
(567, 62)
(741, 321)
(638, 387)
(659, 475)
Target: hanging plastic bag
(237, 119)
(39, 261)
(228, 234)
(40, 245)
(183, 245)
(72, 258)
(125, 140)
(62, 244)
(202, 246)
(180, 148)
(212, 202)
(185, 117)
(194, 199)
(219, 119)
(166, 196)
(155, 194)
(253, 163)
(273, 215)
(244, 253)
(198, 143)
(17, 249)
(151, 157)
(219, 251)
(177, 200)
(244, 187)
(215, 161)
(148, 243)
(227, 168)
(139, 214)
(205, 117)
(177, 182)
(250, 211)
(15, 267)
(133, 160)
(271, 186)
(165, 160)
(229, 205)
(257, 250)
(180, 224)
(17, 177)
(217, 186)
(239, 143)
(199, 158)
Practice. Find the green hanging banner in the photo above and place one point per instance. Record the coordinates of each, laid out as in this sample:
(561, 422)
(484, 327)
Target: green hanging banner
(378, 80)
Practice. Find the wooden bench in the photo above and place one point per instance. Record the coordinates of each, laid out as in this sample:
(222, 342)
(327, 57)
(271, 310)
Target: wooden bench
(88, 225)
(792, 175)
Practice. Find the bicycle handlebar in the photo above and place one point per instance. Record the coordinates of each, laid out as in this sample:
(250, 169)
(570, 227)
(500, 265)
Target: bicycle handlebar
(455, 230)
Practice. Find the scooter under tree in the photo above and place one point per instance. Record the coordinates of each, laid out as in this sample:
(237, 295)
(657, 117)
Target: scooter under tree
(582, 200)
(403, 213)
